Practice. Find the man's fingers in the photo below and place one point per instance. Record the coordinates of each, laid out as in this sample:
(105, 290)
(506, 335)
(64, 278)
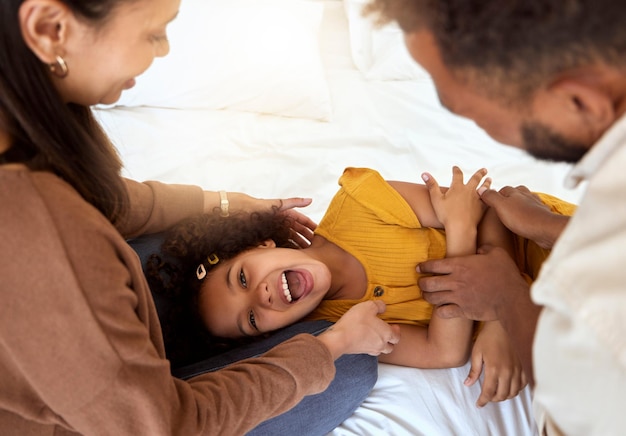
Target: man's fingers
(506, 191)
(435, 266)
(449, 310)
(490, 197)
(485, 249)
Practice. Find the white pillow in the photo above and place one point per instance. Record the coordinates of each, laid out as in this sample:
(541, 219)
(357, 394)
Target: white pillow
(379, 52)
(248, 55)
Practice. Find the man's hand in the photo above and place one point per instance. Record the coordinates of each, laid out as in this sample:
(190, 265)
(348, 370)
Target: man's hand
(524, 214)
(473, 286)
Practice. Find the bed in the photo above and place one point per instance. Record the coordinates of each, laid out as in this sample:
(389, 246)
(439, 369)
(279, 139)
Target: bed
(275, 98)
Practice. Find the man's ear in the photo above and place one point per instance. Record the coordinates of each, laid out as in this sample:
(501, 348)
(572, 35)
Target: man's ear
(586, 103)
(269, 243)
(44, 26)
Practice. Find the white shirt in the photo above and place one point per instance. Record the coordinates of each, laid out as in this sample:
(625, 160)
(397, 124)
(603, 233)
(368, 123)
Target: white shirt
(580, 342)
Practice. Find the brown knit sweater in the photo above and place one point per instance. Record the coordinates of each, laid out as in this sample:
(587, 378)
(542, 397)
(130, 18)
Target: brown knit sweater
(80, 344)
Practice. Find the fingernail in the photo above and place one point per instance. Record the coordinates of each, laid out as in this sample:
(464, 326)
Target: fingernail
(425, 177)
(481, 190)
(417, 268)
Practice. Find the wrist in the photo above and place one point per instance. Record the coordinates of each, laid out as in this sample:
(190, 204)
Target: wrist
(226, 202)
(333, 340)
(217, 200)
(461, 230)
(551, 230)
(515, 299)
(460, 240)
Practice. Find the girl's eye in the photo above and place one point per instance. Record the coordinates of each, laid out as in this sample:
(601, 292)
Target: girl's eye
(252, 320)
(242, 279)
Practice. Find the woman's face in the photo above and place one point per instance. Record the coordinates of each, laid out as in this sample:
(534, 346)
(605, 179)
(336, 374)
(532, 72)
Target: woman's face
(261, 290)
(103, 61)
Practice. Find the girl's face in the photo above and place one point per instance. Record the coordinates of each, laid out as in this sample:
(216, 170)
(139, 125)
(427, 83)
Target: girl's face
(261, 290)
(104, 61)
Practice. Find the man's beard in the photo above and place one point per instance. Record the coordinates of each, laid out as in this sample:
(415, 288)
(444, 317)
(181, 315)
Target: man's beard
(543, 143)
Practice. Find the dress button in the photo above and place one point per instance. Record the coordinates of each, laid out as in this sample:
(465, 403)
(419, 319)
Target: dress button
(378, 291)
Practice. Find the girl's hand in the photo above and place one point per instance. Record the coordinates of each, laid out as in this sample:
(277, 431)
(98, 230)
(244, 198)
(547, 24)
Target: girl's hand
(460, 202)
(504, 377)
(360, 331)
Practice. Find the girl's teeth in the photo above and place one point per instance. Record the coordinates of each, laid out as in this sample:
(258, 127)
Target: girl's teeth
(286, 288)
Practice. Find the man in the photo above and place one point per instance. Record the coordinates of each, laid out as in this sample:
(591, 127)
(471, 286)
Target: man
(548, 76)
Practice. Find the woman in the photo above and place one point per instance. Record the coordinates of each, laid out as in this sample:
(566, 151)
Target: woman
(81, 348)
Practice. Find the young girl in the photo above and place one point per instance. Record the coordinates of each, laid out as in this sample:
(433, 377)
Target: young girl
(246, 279)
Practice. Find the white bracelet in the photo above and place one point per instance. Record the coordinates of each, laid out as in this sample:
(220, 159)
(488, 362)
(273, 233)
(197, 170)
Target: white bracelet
(224, 203)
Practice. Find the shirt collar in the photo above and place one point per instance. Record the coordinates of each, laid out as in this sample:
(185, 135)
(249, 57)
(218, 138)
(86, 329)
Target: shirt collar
(612, 139)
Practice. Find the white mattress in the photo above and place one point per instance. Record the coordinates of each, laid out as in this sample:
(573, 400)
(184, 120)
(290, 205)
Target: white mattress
(396, 127)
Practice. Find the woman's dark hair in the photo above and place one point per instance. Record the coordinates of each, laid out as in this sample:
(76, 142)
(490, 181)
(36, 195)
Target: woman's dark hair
(48, 134)
(172, 275)
(515, 44)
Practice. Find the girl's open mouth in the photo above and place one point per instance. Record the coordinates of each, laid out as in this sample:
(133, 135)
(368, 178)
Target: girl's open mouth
(294, 285)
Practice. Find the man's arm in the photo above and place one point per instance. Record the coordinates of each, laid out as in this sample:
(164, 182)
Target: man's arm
(487, 286)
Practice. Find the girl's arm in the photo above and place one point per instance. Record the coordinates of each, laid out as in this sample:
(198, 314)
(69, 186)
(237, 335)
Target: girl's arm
(446, 342)
(418, 198)
(504, 374)
(493, 351)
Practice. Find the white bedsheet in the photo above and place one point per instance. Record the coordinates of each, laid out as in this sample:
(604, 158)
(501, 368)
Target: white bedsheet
(408, 401)
(398, 128)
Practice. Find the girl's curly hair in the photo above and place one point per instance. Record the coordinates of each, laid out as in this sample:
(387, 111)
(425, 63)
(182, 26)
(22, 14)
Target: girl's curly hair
(172, 273)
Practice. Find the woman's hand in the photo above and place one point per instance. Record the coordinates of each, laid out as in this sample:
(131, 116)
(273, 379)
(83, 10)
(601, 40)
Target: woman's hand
(504, 376)
(360, 331)
(303, 226)
(238, 201)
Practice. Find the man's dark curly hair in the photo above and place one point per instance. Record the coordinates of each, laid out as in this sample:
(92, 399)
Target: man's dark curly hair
(514, 45)
(172, 273)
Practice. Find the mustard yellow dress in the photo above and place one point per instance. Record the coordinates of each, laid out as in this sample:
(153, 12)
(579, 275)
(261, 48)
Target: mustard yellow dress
(372, 221)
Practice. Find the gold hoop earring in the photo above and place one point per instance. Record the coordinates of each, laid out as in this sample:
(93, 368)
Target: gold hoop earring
(59, 67)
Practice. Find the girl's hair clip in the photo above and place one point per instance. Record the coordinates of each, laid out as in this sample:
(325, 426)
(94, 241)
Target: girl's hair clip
(201, 271)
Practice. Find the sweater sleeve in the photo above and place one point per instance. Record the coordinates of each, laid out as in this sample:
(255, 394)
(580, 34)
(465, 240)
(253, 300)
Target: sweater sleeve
(156, 206)
(80, 343)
